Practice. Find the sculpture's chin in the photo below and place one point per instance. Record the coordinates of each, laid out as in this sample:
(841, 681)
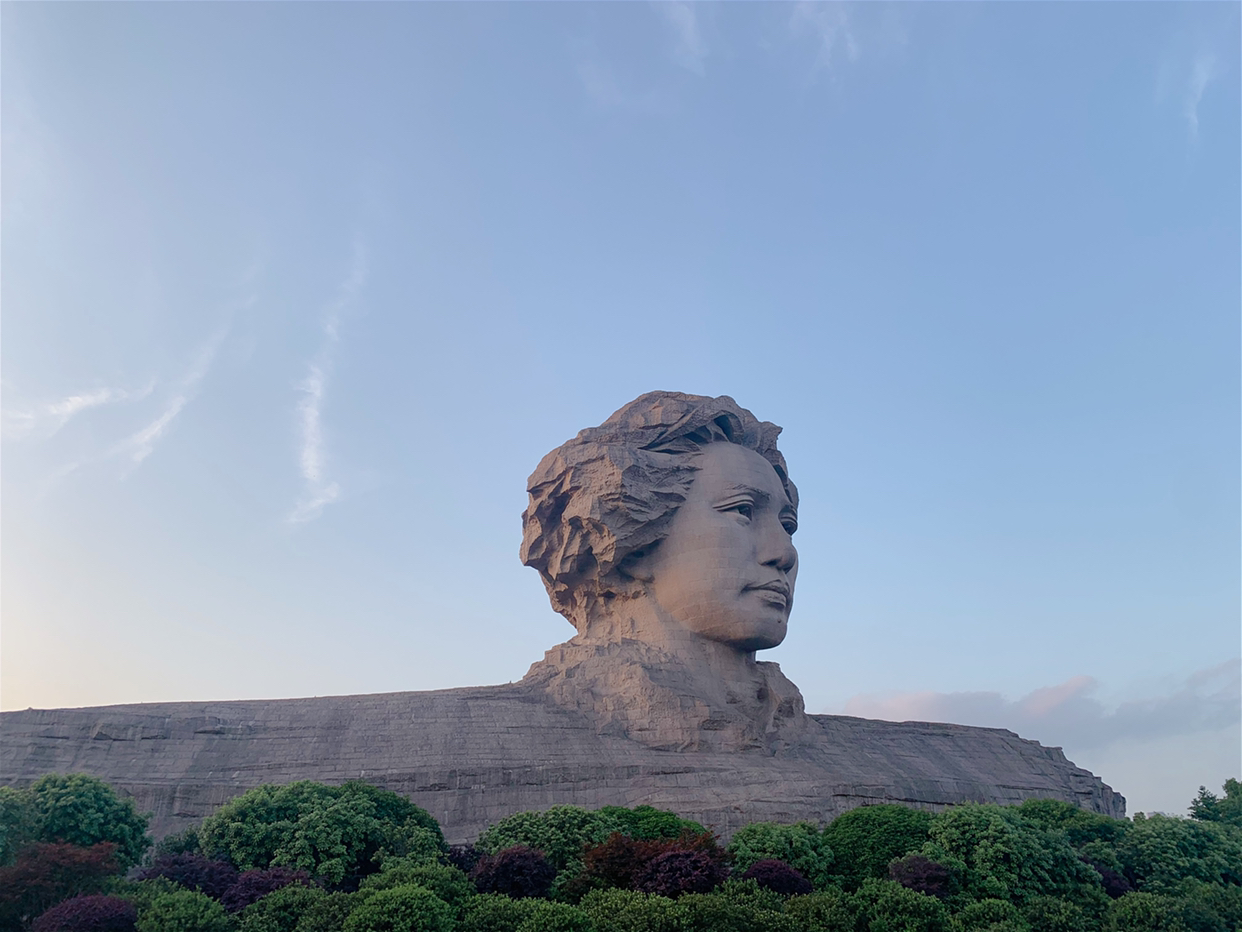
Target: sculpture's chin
(759, 637)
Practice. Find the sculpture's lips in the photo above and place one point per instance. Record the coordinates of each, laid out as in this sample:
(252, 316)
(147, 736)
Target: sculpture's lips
(780, 588)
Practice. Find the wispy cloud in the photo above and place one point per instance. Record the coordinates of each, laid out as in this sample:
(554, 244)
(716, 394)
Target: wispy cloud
(689, 46)
(318, 490)
(829, 25)
(1202, 70)
(1068, 714)
(141, 444)
(42, 421)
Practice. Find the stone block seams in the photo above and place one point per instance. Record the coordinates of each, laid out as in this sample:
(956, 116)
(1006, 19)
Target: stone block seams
(472, 756)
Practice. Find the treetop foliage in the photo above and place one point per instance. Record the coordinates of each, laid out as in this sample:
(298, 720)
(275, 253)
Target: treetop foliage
(355, 858)
(73, 809)
(1207, 807)
(338, 834)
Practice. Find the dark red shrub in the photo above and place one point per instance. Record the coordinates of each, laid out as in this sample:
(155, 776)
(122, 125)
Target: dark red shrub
(679, 871)
(916, 872)
(88, 914)
(619, 860)
(1115, 885)
(517, 872)
(777, 876)
(256, 884)
(44, 874)
(464, 857)
(194, 872)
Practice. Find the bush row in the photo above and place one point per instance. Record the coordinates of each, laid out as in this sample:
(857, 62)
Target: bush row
(305, 857)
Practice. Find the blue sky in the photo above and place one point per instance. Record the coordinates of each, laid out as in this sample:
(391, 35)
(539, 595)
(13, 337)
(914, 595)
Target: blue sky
(296, 296)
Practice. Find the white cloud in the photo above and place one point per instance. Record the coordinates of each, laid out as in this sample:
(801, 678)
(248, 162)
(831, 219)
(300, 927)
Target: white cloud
(1068, 715)
(44, 420)
(318, 489)
(829, 24)
(1202, 70)
(140, 444)
(689, 46)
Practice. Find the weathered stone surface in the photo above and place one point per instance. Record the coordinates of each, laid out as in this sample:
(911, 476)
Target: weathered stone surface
(472, 756)
(665, 536)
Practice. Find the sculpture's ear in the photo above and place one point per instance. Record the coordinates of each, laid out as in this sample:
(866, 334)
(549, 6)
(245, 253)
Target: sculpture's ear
(638, 565)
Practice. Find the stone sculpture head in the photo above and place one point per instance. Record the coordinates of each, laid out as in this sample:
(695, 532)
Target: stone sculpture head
(679, 508)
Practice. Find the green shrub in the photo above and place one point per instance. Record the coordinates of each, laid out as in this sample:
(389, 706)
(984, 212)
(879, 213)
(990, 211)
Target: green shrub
(1145, 912)
(338, 834)
(17, 822)
(991, 916)
(649, 823)
(556, 917)
(281, 910)
(401, 909)
(614, 910)
(1080, 826)
(716, 912)
(74, 809)
(1160, 852)
(1221, 901)
(448, 883)
(864, 841)
(832, 910)
(182, 911)
(493, 912)
(1002, 856)
(801, 846)
(560, 832)
(328, 914)
(890, 907)
(750, 893)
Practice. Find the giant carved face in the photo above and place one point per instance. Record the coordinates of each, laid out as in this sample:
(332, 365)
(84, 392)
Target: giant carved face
(679, 499)
(727, 566)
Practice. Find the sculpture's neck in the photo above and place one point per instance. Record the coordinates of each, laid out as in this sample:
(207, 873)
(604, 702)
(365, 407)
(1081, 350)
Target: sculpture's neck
(639, 676)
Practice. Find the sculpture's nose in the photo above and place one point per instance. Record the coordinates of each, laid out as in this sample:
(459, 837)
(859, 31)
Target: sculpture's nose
(778, 549)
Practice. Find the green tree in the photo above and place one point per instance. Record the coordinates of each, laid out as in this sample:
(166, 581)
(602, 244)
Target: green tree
(555, 917)
(648, 823)
(801, 846)
(890, 907)
(990, 916)
(717, 912)
(281, 910)
(402, 909)
(83, 810)
(446, 882)
(864, 841)
(1160, 852)
(328, 914)
(560, 832)
(1079, 826)
(829, 911)
(183, 911)
(1208, 807)
(17, 822)
(1003, 856)
(615, 910)
(1145, 912)
(338, 834)
(494, 912)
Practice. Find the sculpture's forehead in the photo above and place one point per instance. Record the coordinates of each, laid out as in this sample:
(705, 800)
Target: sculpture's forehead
(726, 467)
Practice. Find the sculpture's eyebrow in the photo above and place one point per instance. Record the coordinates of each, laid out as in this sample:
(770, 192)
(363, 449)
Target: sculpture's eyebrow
(759, 495)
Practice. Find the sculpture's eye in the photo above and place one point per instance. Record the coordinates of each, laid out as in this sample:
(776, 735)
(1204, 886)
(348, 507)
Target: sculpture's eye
(790, 525)
(745, 509)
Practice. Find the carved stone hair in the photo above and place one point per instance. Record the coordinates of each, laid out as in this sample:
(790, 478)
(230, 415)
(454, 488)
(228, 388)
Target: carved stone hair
(610, 493)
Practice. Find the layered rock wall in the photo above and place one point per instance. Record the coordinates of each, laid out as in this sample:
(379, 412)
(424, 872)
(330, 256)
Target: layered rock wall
(472, 756)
